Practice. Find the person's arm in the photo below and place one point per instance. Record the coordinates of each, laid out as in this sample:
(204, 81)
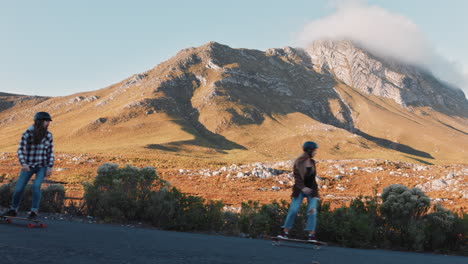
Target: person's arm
(22, 151)
(50, 156)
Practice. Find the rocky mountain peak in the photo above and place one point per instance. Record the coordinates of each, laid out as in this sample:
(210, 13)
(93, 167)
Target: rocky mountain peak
(408, 85)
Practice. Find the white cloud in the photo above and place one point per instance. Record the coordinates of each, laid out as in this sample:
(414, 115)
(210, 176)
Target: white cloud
(384, 34)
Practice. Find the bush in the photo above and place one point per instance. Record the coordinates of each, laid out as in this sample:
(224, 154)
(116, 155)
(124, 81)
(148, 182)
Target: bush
(121, 194)
(52, 198)
(440, 229)
(230, 223)
(402, 209)
(257, 221)
(129, 194)
(458, 239)
(162, 208)
(353, 226)
(132, 194)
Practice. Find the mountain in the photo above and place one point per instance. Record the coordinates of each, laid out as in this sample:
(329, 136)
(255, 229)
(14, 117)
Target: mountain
(405, 84)
(242, 104)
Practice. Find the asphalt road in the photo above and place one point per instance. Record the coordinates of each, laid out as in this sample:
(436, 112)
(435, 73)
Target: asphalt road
(75, 243)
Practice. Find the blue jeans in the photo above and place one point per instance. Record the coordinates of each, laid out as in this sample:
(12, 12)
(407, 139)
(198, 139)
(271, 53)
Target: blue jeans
(294, 209)
(23, 179)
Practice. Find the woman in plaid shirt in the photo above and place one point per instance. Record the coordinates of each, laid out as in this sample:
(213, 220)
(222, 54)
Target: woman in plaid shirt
(36, 155)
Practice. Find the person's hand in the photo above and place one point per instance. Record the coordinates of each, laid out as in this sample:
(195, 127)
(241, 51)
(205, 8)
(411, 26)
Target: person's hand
(25, 168)
(307, 190)
(49, 172)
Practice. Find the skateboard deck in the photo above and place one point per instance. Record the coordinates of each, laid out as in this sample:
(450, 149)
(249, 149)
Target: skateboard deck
(317, 244)
(32, 222)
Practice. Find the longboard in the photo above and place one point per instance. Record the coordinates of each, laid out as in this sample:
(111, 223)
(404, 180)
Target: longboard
(33, 222)
(317, 244)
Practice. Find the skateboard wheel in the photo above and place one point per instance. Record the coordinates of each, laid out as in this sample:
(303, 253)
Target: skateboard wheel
(30, 225)
(42, 225)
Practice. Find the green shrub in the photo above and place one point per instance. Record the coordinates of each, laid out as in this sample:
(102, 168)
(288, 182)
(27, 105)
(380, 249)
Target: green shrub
(171, 209)
(440, 229)
(399, 204)
(231, 225)
(458, 239)
(121, 194)
(401, 220)
(256, 220)
(6, 191)
(52, 198)
(191, 214)
(353, 226)
(402, 209)
(251, 221)
(162, 208)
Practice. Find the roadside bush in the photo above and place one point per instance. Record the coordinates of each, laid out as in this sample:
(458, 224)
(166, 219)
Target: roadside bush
(441, 230)
(267, 219)
(458, 239)
(132, 194)
(353, 226)
(121, 194)
(171, 209)
(402, 209)
(230, 223)
(400, 220)
(162, 207)
(251, 221)
(52, 199)
(193, 214)
(6, 191)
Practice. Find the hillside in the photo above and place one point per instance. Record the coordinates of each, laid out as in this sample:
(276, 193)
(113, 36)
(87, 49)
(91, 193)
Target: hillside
(248, 105)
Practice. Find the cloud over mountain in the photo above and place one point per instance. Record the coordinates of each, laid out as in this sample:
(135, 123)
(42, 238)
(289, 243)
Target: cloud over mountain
(385, 34)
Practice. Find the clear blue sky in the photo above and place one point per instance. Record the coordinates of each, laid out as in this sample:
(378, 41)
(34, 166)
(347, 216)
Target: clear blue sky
(60, 47)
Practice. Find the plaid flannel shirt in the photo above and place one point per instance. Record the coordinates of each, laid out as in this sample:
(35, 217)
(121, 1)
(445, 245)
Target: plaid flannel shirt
(40, 155)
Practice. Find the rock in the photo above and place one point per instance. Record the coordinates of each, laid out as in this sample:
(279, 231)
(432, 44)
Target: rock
(338, 177)
(405, 84)
(450, 176)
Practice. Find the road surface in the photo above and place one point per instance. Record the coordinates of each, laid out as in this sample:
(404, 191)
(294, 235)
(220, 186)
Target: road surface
(67, 242)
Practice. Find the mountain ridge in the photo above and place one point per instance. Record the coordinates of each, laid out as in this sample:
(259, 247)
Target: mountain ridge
(243, 103)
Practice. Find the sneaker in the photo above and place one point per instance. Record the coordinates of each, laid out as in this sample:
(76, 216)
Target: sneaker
(10, 212)
(32, 215)
(283, 235)
(311, 238)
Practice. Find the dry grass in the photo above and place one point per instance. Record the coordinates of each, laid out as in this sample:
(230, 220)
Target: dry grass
(74, 169)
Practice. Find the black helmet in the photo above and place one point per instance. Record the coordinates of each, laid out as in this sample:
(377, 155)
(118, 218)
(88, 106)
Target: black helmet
(309, 145)
(42, 116)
